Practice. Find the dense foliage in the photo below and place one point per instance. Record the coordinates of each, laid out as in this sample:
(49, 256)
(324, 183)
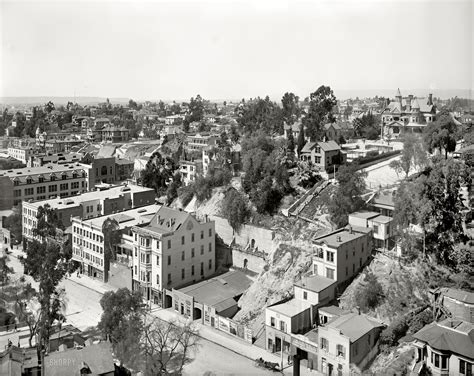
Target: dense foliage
(320, 112)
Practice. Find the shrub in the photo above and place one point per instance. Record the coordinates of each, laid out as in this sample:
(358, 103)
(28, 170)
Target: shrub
(420, 320)
(370, 295)
(186, 194)
(235, 208)
(396, 330)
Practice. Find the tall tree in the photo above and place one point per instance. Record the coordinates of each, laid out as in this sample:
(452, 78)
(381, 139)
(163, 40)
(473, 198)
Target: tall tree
(5, 271)
(413, 155)
(347, 198)
(111, 231)
(291, 144)
(291, 109)
(235, 208)
(320, 112)
(48, 222)
(301, 140)
(441, 134)
(158, 173)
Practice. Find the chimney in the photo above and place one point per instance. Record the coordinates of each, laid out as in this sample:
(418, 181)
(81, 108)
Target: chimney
(430, 99)
(350, 229)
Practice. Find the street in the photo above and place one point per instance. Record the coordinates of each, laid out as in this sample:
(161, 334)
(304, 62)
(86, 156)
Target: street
(83, 311)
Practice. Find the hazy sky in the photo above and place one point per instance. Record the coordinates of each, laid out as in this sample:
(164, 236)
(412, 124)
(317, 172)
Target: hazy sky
(232, 49)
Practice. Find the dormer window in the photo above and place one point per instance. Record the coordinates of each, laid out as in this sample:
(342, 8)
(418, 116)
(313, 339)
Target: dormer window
(29, 180)
(53, 177)
(63, 176)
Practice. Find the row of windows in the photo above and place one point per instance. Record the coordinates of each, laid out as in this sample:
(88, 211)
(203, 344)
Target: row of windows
(88, 234)
(51, 188)
(340, 349)
(41, 179)
(80, 253)
(282, 326)
(192, 236)
(82, 242)
(146, 275)
(146, 242)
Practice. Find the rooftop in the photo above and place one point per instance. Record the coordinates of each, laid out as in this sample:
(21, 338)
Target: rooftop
(450, 335)
(382, 219)
(333, 311)
(46, 169)
(341, 236)
(167, 220)
(461, 295)
(127, 218)
(96, 357)
(354, 325)
(111, 193)
(315, 283)
(219, 292)
(364, 214)
(290, 308)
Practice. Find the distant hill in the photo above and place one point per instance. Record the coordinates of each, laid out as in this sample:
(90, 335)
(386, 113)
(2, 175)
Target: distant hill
(59, 100)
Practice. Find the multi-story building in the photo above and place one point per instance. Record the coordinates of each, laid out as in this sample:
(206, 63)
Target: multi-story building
(88, 205)
(445, 348)
(340, 254)
(348, 341)
(173, 250)
(381, 225)
(190, 170)
(199, 141)
(324, 155)
(21, 153)
(88, 238)
(123, 169)
(114, 134)
(40, 183)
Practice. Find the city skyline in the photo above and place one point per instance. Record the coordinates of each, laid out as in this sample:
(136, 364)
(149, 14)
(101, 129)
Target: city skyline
(160, 50)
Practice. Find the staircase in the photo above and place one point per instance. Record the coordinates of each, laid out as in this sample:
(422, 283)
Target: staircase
(417, 368)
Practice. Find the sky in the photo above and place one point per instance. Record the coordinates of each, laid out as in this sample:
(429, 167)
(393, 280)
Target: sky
(232, 49)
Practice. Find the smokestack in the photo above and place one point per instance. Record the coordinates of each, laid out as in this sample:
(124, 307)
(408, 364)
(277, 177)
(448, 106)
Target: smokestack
(408, 106)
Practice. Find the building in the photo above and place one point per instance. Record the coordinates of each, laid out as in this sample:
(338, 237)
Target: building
(213, 297)
(40, 183)
(454, 303)
(190, 170)
(298, 315)
(88, 238)
(21, 153)
(408, 114)
(59, 158)
(346, 342)
(445, 348)
(383, 202)
(114, 134)
(88, 205)
(324, 155)
(294, 129)
(174, 249)
(341, 254)
(332, 131)
(381, 225)
(123, 169)
(200, 141)
(93, 359)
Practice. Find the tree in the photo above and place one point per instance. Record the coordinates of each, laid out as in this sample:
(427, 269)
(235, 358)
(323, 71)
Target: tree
(291, 109)
(235, 208)
(301, 140)
(321, 105)
(347, 198)
(47, 263)
(27, 308)
(369, 295)
(158, 173)
(441, 134)
(413, 155)
(5, 271)
(260, 114)
(367, 126)
(121, 309)
(111, 231)
(172, 190)
(49, 107)
(48, 222)
(14, 224)
(291, 144)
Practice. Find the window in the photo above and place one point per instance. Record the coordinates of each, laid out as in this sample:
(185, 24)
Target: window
(444, 362)
(347, 271)
(182, 256)
(324, 344)
(158, 260)
(376, 229)
(192, 237)
(192, 269)
(202, 249)
(169, 277)
(135, 270)
(64, 176)
(330, 256)
(210, 232)
(320, 253)
(282, 326)
(202, 268)
(182, 273)
(192, 252)
(182, 240)
(210, 264)
(157, 279)
(340, 351)
(210, 247)
(330, 273)
(436, 360)
(53, 188)
(272, 321)
(202, 234)
(169, 244)
(53, 177)
(305, 295)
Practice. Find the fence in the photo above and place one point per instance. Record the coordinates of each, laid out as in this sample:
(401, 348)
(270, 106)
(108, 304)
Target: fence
(229, 326)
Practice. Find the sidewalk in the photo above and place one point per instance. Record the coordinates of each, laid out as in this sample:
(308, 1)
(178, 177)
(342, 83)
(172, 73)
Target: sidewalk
(91, 283)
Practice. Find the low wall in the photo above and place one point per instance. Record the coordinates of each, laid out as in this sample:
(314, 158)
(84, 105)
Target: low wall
(248, 260)
(249, 236)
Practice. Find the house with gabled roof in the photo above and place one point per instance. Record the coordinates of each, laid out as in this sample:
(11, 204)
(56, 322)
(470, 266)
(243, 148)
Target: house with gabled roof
(323, 155)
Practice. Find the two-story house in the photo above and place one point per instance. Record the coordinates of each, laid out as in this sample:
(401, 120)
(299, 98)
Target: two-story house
(381, 225)
(340, 254)
(324, 155)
